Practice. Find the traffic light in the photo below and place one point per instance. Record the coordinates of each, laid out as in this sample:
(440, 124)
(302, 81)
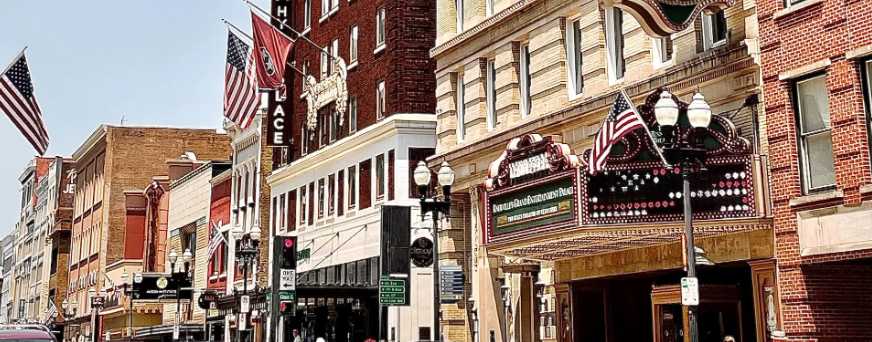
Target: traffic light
(288, 252)
(286, 308)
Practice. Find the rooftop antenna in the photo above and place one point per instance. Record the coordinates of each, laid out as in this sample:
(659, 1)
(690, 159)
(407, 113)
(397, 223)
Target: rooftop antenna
(122, 119)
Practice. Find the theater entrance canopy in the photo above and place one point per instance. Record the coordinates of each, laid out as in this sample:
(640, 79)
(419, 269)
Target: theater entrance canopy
(664, 17)
(542, 205)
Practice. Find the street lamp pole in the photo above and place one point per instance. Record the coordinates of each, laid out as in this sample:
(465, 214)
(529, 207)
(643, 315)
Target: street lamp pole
(247, 253)
(683, 147)
(431, 203)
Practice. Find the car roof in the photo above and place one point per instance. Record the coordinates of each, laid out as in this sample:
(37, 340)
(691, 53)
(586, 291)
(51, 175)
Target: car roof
(25, 334)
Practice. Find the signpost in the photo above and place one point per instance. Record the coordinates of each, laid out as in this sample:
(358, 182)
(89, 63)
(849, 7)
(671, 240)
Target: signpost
(392, 291)
(689, 291)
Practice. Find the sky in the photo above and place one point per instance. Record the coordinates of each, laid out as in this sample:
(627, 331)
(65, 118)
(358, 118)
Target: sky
(154, 63)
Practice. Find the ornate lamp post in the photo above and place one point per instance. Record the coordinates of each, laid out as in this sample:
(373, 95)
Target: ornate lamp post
(431, 203)
(69, 308)
(178, 278)
(246, 252)
(683, 148)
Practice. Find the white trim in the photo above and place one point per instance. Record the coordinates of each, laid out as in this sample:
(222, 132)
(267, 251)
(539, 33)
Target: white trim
(657, 53)
(378, 49)
(490, 94)
(572, 54)
(525, 79)
(458, 15)
(708, 32)
(460, 107)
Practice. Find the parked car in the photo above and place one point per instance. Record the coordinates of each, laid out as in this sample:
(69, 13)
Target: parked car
(26, 333)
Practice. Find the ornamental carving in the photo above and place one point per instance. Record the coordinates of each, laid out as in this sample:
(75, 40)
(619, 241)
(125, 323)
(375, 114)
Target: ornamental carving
(664, 17)
(331, 88)
(529, 156)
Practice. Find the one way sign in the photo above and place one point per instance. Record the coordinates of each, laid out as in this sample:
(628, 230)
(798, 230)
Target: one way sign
(288, 280)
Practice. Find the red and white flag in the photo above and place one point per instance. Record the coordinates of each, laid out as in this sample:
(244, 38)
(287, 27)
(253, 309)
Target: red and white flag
(622, 120)
(241, 99)
(271, 48)
(19, 103)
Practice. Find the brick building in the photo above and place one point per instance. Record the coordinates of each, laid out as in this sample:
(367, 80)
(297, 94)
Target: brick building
(112, 163)
(816, 64)
(61, 174)
(346, 165)
(521, 80)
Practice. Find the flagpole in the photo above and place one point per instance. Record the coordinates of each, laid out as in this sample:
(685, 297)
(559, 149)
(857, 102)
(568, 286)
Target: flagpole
(645, 125)
(241, 32)
(282, 23)
(17, 57)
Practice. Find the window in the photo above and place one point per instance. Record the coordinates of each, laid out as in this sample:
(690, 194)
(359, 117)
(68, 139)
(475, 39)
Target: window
(380, 176)
(323, 127)
(662, 50)
(816, 145)
(325, 8)
(788, 3)
(573, 57)
(325, 64)
(714, 30)
(615, 43)
(380, 100)
(321, 198)
(280, 213)
(303, 201)
(867, 69)
(491, 95)
(352, 114)
(380, 28)
(331, 194)
(334, 52)
(352, 186)
(304, 141)
(525, 78)
(460, 103)
(334, 125)
(489, 7)
(307, 14)
(352, 45)
(458, 6)
(334, 5)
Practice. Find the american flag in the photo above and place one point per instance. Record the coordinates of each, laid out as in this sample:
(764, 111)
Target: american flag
(216, 240)
(622, 120)
(19, 103)
(241, 100)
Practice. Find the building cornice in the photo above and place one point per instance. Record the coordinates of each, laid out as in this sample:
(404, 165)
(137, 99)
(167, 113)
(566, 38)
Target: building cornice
(392, 125)
(92, 140)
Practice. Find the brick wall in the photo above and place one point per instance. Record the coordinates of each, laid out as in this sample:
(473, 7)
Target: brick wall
(819, 302)
(404, 64)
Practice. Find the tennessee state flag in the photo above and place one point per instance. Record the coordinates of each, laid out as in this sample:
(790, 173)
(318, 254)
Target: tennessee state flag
(271, 48)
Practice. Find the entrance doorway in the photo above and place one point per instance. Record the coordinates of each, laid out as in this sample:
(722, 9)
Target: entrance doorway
(647, 307)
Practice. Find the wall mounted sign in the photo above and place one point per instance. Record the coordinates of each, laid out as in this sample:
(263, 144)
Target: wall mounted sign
(532, 187)
(421, 252)
(160, 286)
(278, 125)
(392, 291)
(320, 93)
(451, 283)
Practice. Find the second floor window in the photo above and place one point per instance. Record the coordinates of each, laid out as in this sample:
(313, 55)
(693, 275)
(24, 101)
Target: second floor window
(352, 114)
(380, 176)
(491, 95)
(380, 100)
(815, 136)
(526, 98)
(303, 200)
(352, 45)
(380, 27)
(615, 43)
(714, 30)
(574, 57)
(321, 198)
(307, 14)
(662, 50)
(352, 186)
(331, 197)
(460, 108)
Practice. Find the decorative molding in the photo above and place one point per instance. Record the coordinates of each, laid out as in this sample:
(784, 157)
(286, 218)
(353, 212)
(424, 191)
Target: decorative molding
(558, 156)
(319, 94)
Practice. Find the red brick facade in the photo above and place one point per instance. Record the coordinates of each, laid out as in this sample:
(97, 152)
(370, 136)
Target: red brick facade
(823, 297)
(404, 64)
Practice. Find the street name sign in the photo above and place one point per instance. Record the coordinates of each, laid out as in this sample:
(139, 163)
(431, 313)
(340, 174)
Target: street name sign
(689, 291)
(392, 291)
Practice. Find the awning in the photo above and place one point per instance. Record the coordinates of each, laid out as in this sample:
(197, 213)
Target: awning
(167, 329)
(579, 242)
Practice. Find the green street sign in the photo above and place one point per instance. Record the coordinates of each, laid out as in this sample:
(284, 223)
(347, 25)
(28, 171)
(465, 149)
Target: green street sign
(392, 291)
(287, 295)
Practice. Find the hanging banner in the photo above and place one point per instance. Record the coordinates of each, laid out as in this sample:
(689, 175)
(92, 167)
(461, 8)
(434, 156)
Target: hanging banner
(278, 121)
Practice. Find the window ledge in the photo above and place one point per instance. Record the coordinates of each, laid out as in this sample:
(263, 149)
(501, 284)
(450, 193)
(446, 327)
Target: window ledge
(790, 10)
(352, 65)
(324, 18)
(306, 31)
(866, 189)
(860, 52)
(804, 70)
(379, 48)
(822, 197)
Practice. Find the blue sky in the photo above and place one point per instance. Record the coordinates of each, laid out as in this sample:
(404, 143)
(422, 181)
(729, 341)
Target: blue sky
(156, 63)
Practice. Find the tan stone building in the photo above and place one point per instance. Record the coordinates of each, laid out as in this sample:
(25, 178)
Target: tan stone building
(108, 237)
(540, 75)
